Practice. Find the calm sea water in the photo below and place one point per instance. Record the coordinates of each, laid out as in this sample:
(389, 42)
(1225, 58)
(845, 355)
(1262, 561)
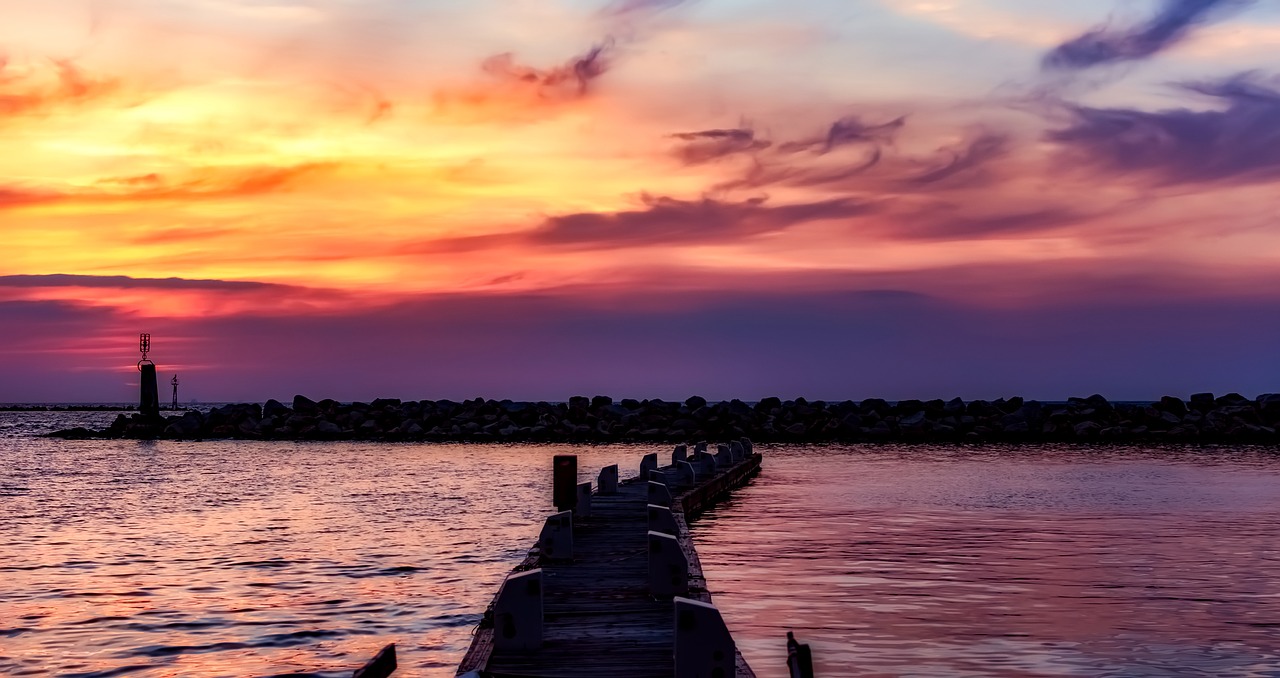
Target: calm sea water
(265, 559)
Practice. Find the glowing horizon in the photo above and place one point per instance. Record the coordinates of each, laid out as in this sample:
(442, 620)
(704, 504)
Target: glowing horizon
(203, 165)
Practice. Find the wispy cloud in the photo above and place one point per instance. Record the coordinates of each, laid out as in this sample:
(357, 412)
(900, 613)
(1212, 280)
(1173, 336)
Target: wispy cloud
(973, 154)
(127, 282)
(847, 131)
(1239, 142)
(664, 220)
(38, 90)
(712, 144)
(204, 184)
(625, 8)
(1172, 23)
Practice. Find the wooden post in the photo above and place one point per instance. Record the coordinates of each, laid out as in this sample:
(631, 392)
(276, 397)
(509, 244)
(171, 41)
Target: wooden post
(608, 480)
(556, 539)
(703, 644)
(661, 519)
(382, 665)
(565, 481)
(799, 658)
(517, 613)
(582, 507)
(659, 494)
(688, 476)
(647, 464)
(668, 566)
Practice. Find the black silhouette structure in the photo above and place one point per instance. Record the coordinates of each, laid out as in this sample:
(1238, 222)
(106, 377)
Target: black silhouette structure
(149, 402)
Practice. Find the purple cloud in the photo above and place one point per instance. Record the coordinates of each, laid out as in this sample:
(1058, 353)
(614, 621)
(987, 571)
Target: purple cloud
(571, 79)
(710, 145)
(846, 131)
(126, 282)
(622, 8)
(1107, 45)
(981, 150)
(665, 220)
(1239, 142)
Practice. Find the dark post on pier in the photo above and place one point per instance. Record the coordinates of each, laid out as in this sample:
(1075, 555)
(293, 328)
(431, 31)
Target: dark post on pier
(149, 403)
(565, 481)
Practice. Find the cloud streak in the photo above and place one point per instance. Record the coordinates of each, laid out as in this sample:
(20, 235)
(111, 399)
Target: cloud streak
(1104, 45)
(665, 220)
(979, 151)
(626, 8)
(847, 131)
(569, 80)
(1239, 143)
(713, 144)
(207, 184)
(37, 91)
(128, 282)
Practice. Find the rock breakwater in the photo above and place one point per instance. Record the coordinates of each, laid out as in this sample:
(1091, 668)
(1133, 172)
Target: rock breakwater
(1203, 418)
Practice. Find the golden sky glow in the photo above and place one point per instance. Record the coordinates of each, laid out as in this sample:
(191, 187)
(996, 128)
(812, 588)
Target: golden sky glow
(363, 154)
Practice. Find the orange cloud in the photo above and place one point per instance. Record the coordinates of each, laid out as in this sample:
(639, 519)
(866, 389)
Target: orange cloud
(516, 91)
(206, 184)
(39, 90)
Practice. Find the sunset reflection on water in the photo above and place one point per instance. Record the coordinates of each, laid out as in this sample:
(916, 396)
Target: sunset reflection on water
(263, 559)
(999, 562)
(257, 559)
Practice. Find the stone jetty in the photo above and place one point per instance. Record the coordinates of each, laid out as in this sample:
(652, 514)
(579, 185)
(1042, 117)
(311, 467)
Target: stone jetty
(1204, 418)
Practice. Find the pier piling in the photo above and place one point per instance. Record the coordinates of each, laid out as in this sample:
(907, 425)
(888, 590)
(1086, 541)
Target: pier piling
(659, 494)
(704, 647)
(668, 566)
(517, 613)
(608, 480)
(382, 665)
(799, 658)
(647, 464)
(556, 540)
(565, 481)
(582, 507)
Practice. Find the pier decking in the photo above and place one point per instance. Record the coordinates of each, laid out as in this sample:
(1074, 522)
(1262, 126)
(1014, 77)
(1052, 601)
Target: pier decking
(600, 615)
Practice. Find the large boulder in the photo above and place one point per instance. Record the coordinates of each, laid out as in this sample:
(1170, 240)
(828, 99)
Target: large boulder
(1172, 405)
(275, 408)
(304, 405)
(1232, 400)
(1202, 401)
(1087, 429)
(914, 422)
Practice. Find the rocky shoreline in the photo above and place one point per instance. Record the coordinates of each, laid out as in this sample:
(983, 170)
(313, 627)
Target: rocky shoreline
(1204, 418)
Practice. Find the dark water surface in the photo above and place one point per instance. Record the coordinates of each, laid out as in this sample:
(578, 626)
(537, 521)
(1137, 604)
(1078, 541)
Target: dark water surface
(1044, 562)
(260, 559)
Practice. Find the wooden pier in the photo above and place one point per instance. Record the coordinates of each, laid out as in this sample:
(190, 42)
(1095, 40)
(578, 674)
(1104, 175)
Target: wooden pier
(615, 587)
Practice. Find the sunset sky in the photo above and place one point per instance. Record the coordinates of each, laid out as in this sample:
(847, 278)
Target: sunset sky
(645, 198)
